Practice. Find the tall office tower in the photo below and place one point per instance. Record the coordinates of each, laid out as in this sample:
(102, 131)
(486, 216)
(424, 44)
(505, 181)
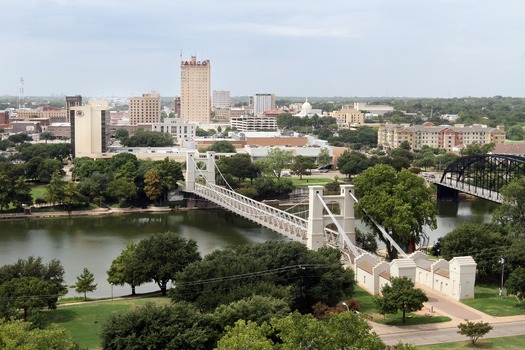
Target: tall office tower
(176, 106)
(221, 99)
(263, 102)
(145, 109)
(195, 90)
(90, 131)
(72, 101)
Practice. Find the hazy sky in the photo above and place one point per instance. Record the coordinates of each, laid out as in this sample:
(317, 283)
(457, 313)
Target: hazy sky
(415, 48)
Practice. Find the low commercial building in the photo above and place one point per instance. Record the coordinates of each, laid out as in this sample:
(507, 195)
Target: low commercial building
(254, 123)
(348, 116)
(180, 129)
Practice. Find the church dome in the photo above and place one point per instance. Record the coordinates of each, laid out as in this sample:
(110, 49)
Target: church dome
(306, 108)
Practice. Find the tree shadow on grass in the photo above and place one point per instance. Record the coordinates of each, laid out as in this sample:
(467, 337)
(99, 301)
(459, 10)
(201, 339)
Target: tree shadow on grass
(62, 315)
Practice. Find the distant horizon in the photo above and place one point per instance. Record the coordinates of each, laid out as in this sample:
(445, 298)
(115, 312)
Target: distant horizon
(276, 96)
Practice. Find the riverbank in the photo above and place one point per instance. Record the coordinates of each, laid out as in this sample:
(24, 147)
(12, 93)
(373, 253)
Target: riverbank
(96, 212)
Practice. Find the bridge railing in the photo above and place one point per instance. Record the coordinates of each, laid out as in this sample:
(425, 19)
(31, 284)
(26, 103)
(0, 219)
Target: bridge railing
(334, 240)
(278, 220)
(471, 189)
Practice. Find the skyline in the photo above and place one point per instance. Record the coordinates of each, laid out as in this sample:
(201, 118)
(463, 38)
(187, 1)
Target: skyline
(378, 48)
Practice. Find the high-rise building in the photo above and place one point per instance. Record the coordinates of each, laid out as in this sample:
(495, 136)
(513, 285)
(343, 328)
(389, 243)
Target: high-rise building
(90, 131)
(263, 102)
(195, 90)
(176, 106)
(145, 109)
(72, 101)
(221, 99)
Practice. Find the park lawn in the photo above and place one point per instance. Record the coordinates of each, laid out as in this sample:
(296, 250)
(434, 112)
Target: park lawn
(487, 300)
(38, 191)
(310, 181)
(84, 321)
(505, 343)
(366, 302)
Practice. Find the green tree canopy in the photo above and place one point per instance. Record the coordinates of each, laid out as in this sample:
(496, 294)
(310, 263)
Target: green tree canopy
(343, 330)
(160, 256)
(400, 295)
(277, 160)
(287, 271)
(85, 283)
(511, 214)
(515, 284)
(399, 201)
(18, 335)
(121, 270)
(301, 165)
(222, 146)
(353, 163)
(483, 242)
(158, 326)
(474, 330)
(143, 138)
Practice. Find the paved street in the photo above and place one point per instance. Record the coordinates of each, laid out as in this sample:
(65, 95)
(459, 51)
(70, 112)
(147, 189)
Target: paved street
(436, 336)
(447, 331)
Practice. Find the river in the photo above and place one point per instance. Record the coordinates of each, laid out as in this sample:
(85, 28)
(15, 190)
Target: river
(93, 242)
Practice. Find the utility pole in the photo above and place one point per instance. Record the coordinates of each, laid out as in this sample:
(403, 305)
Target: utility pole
(502, 261)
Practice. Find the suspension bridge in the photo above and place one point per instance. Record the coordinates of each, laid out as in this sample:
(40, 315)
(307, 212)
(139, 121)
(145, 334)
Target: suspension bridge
(321, 228)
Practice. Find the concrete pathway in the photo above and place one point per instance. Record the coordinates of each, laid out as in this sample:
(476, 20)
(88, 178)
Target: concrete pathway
(443, 332)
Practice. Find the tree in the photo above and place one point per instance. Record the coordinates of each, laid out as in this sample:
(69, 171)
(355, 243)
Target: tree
(398, 201)
(476, 148)
(152, 185)
(85, 283)
(121, 270)
(366, 241)
(478, 241)
(238, 273)
(122, 189)
(169, 172)
(25, 293)
(515, 284)
(515, 133)
(55, 189)
(352, 163)
(301, 165)
(72, 196)
(144, 138)
(400, 295)
(324, 157)
(343, 330)
(256, 308)
(121, 134)
(511, 214)
(277, 160)
(157, 326)
(47, 168)
(474, 330)
(18, 335)
(246, 336)
(46, 136)
(160, 256)
(222, 146)
(21, 193)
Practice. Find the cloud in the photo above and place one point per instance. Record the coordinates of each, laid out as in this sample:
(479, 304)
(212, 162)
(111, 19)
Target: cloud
(306, 31)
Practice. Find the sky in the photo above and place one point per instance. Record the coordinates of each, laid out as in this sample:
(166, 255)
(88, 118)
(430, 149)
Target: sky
(372, 48)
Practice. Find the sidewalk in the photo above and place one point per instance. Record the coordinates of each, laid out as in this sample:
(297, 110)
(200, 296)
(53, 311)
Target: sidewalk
(447, 331)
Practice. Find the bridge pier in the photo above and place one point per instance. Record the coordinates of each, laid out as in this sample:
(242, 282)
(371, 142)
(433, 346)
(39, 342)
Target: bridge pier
(317, 220)
(192, 159)
(444, 192)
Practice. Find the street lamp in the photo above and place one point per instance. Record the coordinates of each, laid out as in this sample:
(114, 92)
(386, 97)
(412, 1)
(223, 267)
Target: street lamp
(347, 308)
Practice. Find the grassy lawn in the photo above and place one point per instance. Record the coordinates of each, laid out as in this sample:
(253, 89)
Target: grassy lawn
(84, 321)
(310, 181)
(506, 343)
(487, 300)
(366, 301)
(38, 191)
